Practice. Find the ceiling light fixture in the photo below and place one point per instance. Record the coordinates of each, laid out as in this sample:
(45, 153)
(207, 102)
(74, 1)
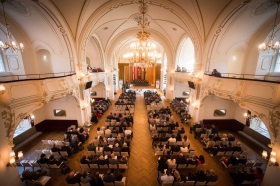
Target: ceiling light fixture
(271, 45)
(143, 52)
(10, 45)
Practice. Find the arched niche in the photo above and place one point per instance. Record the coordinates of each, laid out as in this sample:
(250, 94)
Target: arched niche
(94, 54)
(186, 55)
(181, 91)
(69, 104)
(98, 91)
(44, 60)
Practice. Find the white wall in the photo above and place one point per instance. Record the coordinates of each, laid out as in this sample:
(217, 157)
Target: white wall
(212, 103)
(100, 90)
(239, 114)
(179, 89)
(67, 103)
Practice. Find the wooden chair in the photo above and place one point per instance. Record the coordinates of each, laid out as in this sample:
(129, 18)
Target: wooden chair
(84, 167)
(220, 153)
(108, 183)
(123, 166)
(93, 166)
(103, 166)
(91, 153)
(182, 166)
(200, 183)
(228, 153)
(212, 183)
(121, 183)
(189, 183)
(124, 154)
(64, 153)
(42, 180)
(113, 166)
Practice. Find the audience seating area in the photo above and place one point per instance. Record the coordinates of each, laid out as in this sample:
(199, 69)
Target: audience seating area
(137, 82)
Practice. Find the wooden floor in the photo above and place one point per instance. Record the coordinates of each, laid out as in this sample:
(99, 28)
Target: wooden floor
(142, 167)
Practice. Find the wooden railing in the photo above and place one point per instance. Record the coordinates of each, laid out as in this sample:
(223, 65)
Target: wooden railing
(13, 78)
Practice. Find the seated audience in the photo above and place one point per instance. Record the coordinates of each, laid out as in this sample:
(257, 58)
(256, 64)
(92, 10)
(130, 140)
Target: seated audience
(28, 175)
(109, 177)
(85, 178)
(73, 178)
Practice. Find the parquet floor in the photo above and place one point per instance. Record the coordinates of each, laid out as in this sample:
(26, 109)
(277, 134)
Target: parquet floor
(142, 167)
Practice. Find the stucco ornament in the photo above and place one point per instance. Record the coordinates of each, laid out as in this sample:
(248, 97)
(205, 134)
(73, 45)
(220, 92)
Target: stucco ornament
(274, 117)
(8, 118)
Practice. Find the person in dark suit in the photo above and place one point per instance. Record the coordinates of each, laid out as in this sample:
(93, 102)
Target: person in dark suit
(109, 177)
(107, 149)
(102, 161)
(53, 160)
(181, 159)
(43, 159)
(175, 148)
(162, 164)
(123, 160)
(125, 148)
(91, 147)
(28, 175)
(211, 176)
(73, 178)
(84, 160)
(67, 149)
(55, 149)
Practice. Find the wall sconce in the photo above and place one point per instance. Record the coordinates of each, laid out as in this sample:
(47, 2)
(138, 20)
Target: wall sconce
(188, 101)
(245, 115)
(20, 154)
(171, 89)
(2, 89)
(13, 158)
(272, 159)
(32, 116)
(264, 154)
(92, 100)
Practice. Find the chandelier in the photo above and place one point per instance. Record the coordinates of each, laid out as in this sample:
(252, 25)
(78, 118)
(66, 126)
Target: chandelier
(10, 45)
(143, 52)
(271, 45)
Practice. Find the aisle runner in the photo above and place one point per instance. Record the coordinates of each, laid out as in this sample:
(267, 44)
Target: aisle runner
(142, 168)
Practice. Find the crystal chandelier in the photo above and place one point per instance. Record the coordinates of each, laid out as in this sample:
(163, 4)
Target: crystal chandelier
(10, 45)
(143, 52)
(271, 45)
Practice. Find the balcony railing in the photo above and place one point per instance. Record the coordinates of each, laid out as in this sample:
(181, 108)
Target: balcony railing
(267, 78)
(11, 78)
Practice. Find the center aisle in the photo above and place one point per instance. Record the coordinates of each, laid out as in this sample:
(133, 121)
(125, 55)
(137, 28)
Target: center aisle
(142, 167)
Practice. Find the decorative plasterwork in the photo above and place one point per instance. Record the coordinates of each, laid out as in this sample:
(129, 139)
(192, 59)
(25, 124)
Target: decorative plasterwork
(274, 117)
(247, 93)
(8, 117)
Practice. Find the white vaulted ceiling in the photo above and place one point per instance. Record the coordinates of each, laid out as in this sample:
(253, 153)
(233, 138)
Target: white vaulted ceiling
(115, 20)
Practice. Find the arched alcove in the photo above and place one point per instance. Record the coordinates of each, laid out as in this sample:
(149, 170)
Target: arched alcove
(44, 61)
(98, 91)
(68, 103)
(186, 55)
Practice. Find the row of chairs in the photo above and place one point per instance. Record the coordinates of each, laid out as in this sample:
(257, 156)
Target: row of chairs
(191, 183)
(34, 164)
(96, 166)
(49, 152)
(190, 153)
(108, 153)
(185, 166)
